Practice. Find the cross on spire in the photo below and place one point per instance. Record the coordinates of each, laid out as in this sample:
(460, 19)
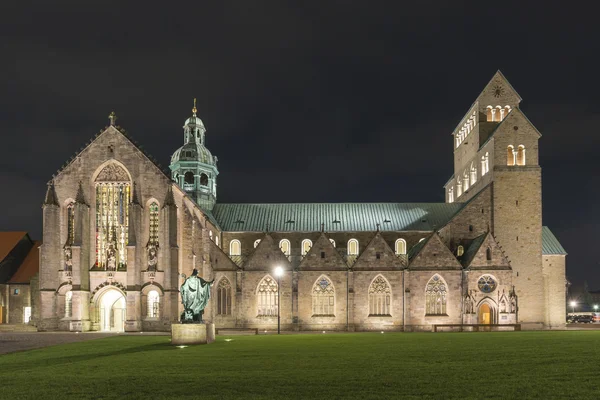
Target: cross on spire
(113, 118)
(194, 110)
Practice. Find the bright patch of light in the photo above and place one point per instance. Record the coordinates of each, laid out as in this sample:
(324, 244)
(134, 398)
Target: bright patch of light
(181, 347)
(381, 331)
(323, 331)
(228, 340)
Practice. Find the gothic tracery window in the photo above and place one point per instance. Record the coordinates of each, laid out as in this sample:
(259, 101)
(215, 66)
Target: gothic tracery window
(153, 304)
(267, 297)
(435, 296)
(224, 297)
(487, 284)
(154, 223)
(323, 297)
(380, 297)
(70, 223)
(112, 217)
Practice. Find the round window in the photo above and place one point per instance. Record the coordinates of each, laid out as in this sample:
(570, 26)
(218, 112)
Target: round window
(487, 284)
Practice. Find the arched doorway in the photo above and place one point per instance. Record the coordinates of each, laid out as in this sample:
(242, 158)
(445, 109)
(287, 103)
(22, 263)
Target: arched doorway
(486, 314)
(112, 311)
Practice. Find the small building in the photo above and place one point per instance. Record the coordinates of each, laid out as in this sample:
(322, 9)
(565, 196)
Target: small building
(19, 266)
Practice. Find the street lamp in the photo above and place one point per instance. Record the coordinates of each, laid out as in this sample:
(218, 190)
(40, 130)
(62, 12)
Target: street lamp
(595, 307)
(278, 274)
(573, 304)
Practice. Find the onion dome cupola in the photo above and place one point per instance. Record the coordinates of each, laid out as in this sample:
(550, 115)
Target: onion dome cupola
(193, 166)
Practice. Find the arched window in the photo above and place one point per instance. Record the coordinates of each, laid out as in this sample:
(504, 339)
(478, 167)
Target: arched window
(267, 297)
(420, 240)
(323, 297)
(217, 240)
(489, 114)
(256, 242)
(68, 304)
(112, 217)
(235, 248)
(488, 254)
(465, 181)
(153, 223)
(352, 247)
(380, 297)
(70, 223)
(400, 246)
(189, 178)
(435, 295)
(458, 187)
(506, 110)
(473, 174)
(153, 304)
(204, 179)
(306, 245)
(210, 235)
(284, 245)
(460, 250)
(451, 195)
(499, 113)
(332, 242)
(224, 297)
(521, 155)
(510, 155)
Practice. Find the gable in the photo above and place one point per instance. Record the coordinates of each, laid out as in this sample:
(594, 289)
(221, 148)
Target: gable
(473, 220)
(323, 256)
(266, 256)
(476, 255)
(498, 92)
(377, 256)
(435, 255)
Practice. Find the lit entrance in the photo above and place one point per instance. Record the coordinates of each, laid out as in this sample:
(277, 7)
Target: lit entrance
(112, 311)
(485, 314)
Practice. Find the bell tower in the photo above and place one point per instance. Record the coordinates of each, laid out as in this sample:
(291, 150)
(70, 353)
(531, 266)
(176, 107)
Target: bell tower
(193, 166)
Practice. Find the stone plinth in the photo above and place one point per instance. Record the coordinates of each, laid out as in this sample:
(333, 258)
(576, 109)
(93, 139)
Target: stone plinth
(192, 334)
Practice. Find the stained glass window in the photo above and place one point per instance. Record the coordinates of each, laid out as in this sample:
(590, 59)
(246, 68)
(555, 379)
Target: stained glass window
(112, 217)
(435, 295)
(153, 304)
(70, 223)
(487, 284)
(224, 297)
(323, 297)
(154, 223)
(267, 297)
(380, 297)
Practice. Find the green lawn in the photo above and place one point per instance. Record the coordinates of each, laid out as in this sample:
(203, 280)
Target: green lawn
(364, 365)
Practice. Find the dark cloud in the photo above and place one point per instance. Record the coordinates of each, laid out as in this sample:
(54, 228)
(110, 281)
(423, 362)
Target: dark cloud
(303, 101)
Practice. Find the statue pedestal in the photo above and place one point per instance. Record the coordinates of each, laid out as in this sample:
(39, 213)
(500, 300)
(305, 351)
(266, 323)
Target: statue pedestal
(185, 334)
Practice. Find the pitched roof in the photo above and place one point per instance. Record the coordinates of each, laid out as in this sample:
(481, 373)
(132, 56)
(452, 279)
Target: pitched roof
(8, 241)
(335, 217)
(29, 267)
(468, 255)
(550, 244)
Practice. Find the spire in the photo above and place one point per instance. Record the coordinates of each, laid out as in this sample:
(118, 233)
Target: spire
(113, 118)
(169, 200)
(51, 199)
(80, 198)
(194, 110)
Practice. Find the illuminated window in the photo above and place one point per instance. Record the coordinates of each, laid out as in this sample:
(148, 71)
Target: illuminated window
(332, 242)
(284, 245)
(465, 181)
(473, 174)
(235, 248)
(487, 284)
(451, 195)
(489, 114)
(420, 240)
(267, 297)
(112, 217)
(256, 242)
(460, 251)
(400, 247)
(323, 297)
(217, 240)
(153, 304)
(26, 315)
(210, 235)
(68, 304)
(352, 247)
(224, 297)
(510, 156)
(306, 245)
(154, 223)
(435, 295)
(521, 155)
(458, 187)
(70, 223)
(380, 297)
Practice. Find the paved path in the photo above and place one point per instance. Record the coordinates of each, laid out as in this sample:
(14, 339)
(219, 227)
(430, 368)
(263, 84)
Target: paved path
(18, 341)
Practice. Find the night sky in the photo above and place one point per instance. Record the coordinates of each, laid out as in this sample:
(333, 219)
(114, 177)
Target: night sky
(330, 101)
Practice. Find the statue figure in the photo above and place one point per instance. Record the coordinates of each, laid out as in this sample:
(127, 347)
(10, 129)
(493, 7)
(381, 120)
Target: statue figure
(152, 257)
(111, 263)
(195, 293)
(68, 259)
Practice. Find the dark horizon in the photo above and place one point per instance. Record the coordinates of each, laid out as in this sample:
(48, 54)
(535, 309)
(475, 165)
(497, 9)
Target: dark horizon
(307, 103)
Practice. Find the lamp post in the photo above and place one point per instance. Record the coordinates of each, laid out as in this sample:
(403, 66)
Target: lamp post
(595, 307)
(573, 304)
(278, 274)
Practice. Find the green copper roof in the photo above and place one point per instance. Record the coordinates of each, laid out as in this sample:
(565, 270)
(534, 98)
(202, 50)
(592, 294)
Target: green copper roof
(550, 244)
(335, 217)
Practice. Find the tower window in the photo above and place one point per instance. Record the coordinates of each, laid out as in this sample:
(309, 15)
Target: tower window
(521, 155)
(204, 180)
(189, 177)
(510, 156)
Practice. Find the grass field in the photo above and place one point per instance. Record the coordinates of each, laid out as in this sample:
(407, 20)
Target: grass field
(506, 365)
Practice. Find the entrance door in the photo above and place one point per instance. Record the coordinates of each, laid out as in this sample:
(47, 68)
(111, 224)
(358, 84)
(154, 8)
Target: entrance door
(112, 311)
(485, 314)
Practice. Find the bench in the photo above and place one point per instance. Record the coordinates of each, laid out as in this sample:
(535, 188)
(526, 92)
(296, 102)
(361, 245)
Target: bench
(477, 327)
(237, 331)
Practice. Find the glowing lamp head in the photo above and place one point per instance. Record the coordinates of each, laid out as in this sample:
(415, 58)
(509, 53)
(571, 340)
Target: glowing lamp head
(573, 303)
(278, 272)
(595, 307)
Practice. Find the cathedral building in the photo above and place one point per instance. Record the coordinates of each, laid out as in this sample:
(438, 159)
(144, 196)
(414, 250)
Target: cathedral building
(120, 235)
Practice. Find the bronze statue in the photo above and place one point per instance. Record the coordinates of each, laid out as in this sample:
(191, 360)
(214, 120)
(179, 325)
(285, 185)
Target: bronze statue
(195, 293)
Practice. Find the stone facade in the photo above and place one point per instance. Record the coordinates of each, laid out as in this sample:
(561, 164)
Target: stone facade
(120, 234)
